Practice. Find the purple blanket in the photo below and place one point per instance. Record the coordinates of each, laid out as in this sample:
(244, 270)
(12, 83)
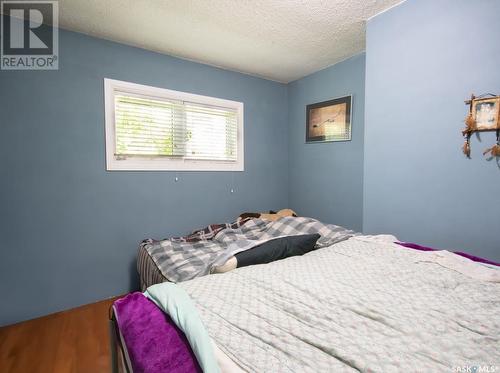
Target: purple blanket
(154, 343)
(465, 255)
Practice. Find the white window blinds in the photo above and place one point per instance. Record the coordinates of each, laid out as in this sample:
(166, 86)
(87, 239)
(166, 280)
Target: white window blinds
(165, 128)
(150, 128)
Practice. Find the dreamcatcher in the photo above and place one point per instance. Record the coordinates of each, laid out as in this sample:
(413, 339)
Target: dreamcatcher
(484, 113)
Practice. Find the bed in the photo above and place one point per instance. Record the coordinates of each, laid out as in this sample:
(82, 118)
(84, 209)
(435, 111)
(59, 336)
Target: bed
(148, 271)
(359, 303)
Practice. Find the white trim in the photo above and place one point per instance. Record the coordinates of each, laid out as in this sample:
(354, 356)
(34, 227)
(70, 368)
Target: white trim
(165, 164)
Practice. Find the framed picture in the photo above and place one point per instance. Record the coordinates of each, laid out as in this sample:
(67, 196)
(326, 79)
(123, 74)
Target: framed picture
(485, 112)
(329, 120)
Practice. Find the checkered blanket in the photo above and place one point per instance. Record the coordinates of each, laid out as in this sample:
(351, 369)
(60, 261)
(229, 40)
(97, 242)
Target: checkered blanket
(209, 232)
(181, 259)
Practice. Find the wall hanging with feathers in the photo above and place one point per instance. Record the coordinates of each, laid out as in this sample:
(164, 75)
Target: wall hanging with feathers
(484, 114)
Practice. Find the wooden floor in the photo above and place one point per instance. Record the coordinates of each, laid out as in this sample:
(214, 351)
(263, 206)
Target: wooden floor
(71, 341)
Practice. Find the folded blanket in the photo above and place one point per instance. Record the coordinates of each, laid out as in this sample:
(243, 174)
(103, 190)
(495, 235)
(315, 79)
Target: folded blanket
(181, 260)
(154, 343)
(174, 301)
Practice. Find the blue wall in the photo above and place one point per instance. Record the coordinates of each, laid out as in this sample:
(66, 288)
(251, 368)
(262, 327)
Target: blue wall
(70, 230)
(326, 179)
(423, 59)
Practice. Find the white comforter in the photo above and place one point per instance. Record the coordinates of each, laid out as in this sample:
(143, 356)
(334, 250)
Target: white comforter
(359, 305)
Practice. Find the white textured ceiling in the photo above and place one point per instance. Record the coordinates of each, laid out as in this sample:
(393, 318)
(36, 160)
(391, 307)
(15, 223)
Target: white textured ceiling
(282, 40)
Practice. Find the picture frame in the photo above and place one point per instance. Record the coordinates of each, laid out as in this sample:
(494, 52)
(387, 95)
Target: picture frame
(329, 121)
(486, 113)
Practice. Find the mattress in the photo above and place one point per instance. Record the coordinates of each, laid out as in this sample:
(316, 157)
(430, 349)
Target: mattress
(149, 273)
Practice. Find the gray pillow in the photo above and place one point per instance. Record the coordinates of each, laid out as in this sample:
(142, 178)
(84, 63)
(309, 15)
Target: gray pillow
(279, 248)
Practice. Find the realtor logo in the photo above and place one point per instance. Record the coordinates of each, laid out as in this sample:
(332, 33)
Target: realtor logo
(30, 35)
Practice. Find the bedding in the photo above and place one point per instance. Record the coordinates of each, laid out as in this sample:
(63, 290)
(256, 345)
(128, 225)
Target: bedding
(174, 301)
(465, 255)
(181, 260)
(358, 305)
(150, 274)
(154, 343)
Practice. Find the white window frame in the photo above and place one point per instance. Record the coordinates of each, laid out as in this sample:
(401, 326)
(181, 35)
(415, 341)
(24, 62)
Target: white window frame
(164, 163)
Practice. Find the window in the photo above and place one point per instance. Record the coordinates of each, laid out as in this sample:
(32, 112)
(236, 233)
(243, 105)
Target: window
(150, 128)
